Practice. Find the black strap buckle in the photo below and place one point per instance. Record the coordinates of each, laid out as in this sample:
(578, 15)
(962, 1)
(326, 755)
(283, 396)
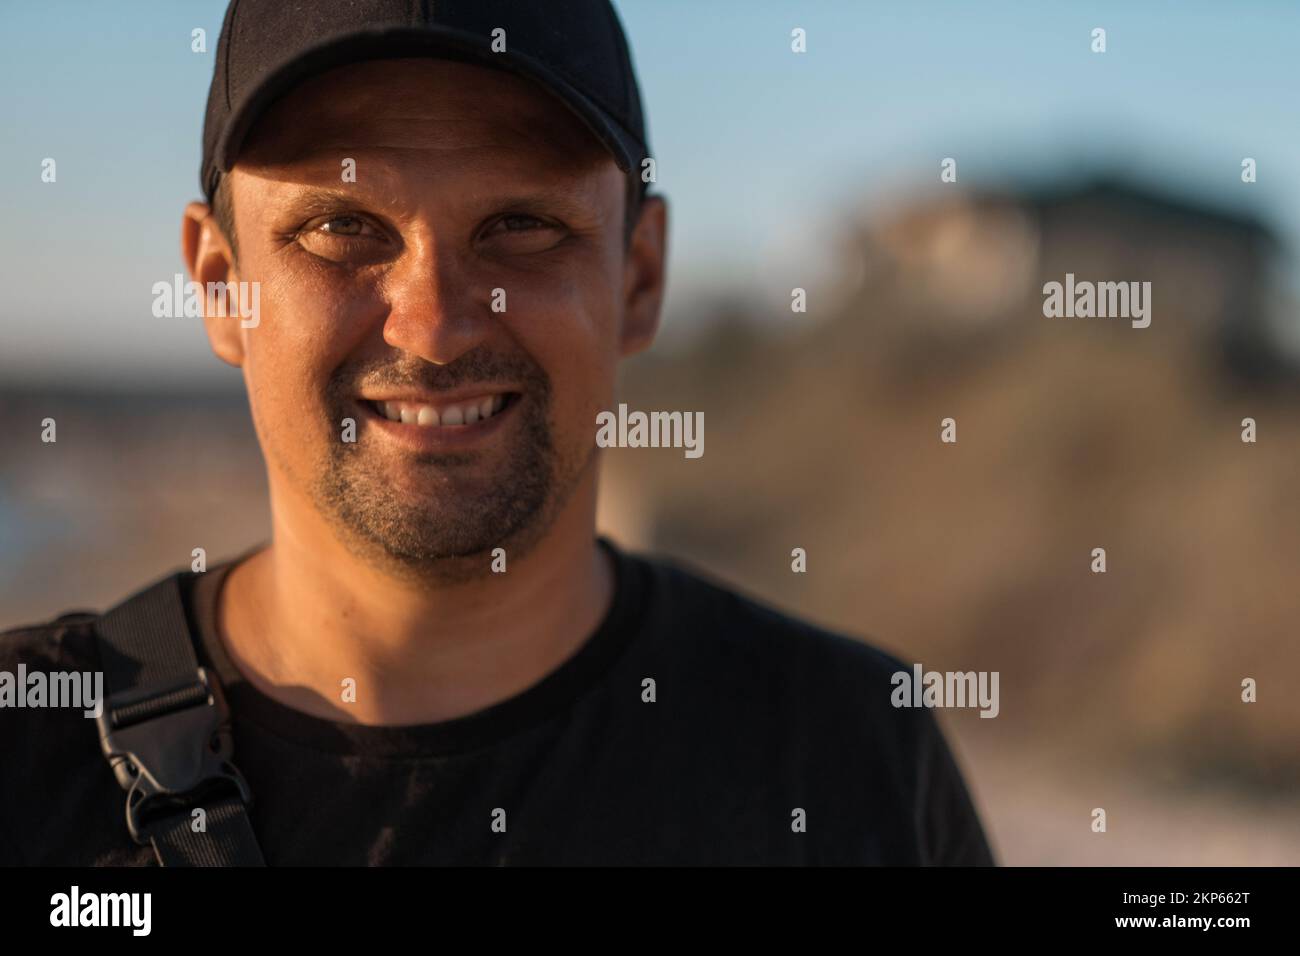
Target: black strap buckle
(170, 749)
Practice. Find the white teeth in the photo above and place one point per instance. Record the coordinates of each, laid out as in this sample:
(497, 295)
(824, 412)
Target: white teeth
(466, 413)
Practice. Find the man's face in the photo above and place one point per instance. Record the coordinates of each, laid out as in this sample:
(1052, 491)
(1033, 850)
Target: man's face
(473, 189)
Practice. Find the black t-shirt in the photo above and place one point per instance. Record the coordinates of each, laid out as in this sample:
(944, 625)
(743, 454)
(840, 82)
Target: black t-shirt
(768, 741)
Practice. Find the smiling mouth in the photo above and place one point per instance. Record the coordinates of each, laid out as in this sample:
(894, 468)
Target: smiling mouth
(467, 411)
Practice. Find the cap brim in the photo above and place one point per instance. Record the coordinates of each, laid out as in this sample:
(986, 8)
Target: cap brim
(399, 42)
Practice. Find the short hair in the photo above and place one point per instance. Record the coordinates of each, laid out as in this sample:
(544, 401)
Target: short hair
(223, 209)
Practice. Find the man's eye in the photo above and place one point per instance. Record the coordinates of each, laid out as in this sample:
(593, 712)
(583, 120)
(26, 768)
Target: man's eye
(344, 226)
(518, 223)
(522, 234)
(338, 239)
(522, 222)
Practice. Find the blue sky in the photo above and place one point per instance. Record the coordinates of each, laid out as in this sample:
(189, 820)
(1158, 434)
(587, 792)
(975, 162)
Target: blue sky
(759, 150)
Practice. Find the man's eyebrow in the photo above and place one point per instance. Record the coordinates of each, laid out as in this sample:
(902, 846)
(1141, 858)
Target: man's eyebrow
(546, 200)
(542, 200)
(315, 201)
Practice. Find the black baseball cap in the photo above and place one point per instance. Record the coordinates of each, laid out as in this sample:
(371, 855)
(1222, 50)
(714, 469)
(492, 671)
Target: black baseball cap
(575, 49)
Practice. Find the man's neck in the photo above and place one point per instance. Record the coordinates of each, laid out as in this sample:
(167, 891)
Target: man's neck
(304, 615)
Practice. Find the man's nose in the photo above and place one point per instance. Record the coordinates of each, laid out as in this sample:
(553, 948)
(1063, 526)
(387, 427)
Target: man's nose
(435, 311)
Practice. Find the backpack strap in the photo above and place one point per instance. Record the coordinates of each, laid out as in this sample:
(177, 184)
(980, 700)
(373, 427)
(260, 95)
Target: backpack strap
(165, 730)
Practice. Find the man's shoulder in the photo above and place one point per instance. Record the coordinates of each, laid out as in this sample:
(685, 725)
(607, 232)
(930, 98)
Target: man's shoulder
(69, 637)
(51, 744)
(788, 701)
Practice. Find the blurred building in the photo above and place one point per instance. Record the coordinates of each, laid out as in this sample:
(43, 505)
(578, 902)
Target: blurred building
(978, 259)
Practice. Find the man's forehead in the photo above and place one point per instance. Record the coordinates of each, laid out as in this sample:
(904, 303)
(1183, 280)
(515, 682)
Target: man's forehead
(415, 104)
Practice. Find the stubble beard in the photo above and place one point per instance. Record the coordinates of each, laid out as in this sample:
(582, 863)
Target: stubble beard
(448, 529)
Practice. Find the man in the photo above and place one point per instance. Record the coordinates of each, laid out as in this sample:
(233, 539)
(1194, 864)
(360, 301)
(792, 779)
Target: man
(436, 660)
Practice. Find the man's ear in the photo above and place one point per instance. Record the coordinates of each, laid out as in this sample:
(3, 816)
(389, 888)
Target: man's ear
(644, 275)
(208, 258)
